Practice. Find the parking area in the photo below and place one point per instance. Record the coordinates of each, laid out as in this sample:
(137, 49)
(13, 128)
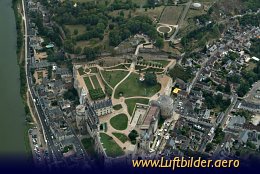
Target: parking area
(39, 153)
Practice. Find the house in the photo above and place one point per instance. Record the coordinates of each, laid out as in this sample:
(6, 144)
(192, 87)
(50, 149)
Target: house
(148, 127)
(243, 136)
(103, 107)
(236, 122)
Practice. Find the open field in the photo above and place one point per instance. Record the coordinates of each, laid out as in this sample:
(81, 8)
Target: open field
(111, 147)
(110, 61)
(139, 2)
(152, 13)
(81, 29)
(88, 83)
(113, 77)
(87, 43)
(122, 137)
(137, 88)
(132, 102)
(119, 122)
(95, 81)
(171, 15)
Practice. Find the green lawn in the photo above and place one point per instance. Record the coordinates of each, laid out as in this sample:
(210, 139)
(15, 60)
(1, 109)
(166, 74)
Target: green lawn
(89, 145)
(117, 107)
(111, 147)
(133, 87)
(131, 103)
(119, 122)
(67, 148)
(122, 137)
(114, 77)
(81, 29)
(81, 71)
(95, 81)
(88, 83)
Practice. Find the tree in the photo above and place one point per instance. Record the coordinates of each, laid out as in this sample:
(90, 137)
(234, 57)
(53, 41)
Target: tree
(243, 89)
(71, 95)
(219, 136)
(159, 43)
(209, 147)
(150, 79)
(75, 32)
(251, 145)
(132, 136)
(227, 88)
(78, 50)
(114, 38)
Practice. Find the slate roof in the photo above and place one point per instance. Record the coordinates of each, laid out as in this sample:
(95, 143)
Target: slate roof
(102, 104)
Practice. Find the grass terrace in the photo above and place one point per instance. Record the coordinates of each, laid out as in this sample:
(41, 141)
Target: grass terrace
(88, 83)
(139, 67)
(119, 122)
(122, 137)
(150, 69)
(163, 62)
(132, 86)
(111, 147)
(120, 66)
(132, 102)
(113, 77)
(171, 15)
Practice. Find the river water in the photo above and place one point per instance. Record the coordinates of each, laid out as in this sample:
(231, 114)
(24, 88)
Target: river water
(12, 116)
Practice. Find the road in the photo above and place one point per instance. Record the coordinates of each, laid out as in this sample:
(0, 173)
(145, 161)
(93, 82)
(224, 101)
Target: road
(55, 154)
(227, 112)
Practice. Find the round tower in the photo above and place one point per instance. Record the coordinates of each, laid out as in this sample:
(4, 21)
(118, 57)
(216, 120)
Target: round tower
(166, 104)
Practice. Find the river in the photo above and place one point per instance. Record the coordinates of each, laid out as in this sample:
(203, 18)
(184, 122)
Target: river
(12, 115)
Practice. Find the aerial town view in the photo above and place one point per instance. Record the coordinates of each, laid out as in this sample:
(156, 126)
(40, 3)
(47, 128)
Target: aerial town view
(96, 85)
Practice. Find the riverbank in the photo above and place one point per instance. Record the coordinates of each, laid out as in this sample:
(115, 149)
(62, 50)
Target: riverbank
(17, 8)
